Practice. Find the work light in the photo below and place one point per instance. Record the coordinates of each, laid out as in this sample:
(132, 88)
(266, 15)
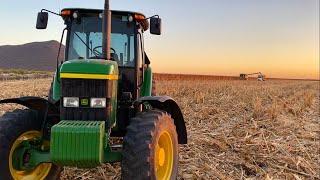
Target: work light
(71, 102)
(98, 102)
(75, 15)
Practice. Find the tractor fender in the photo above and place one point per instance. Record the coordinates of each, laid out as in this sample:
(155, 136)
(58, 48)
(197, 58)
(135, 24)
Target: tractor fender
(169, 105)
(35, 103)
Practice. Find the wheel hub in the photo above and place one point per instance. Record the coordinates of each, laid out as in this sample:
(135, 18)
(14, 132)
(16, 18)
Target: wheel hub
(40, 172)
(164, 156)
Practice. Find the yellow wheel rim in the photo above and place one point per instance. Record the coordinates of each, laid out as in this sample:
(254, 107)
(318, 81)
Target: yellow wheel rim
(40, 172)
(164, 156)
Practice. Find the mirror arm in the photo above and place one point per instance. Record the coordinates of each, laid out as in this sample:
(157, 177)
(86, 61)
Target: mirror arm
(152, 17)
(64, 30)
(46, 10)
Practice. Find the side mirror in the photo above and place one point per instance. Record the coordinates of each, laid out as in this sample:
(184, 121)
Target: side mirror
(155, 25)
(42, 20)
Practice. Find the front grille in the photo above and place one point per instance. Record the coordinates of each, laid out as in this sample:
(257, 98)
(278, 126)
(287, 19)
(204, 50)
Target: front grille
(85, 88)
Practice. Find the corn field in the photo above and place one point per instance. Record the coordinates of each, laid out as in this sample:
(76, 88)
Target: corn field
(236, 129)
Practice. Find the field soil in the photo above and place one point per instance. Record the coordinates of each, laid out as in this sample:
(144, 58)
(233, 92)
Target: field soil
(236, 129)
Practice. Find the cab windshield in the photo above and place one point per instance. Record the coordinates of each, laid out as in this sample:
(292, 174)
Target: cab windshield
(85, 39)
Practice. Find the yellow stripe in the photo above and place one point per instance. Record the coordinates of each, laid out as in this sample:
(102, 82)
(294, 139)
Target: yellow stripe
(88, 76)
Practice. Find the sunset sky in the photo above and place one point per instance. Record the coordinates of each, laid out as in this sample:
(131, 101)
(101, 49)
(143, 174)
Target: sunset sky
(218, 37)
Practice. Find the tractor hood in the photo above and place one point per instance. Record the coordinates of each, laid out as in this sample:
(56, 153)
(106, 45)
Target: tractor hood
(89, 67)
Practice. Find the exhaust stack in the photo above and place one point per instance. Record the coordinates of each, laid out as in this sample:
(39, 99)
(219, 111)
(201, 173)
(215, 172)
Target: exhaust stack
(106, 31)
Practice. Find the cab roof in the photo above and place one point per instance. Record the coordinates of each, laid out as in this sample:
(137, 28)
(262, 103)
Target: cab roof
(85, 10)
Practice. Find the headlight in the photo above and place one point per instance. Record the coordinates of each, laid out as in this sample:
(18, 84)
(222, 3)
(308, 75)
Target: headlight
(98, 102)
(71, 102)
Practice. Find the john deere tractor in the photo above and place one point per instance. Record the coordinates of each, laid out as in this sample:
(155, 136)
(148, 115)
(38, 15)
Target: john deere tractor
(100, 107)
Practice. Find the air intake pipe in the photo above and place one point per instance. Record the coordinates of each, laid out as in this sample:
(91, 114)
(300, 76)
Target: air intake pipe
(106, 31)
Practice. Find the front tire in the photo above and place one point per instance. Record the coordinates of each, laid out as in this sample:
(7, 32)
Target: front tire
(15, 127)
(150, 149)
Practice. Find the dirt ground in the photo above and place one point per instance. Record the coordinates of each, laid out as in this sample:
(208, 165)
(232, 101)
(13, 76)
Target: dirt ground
(236, 129)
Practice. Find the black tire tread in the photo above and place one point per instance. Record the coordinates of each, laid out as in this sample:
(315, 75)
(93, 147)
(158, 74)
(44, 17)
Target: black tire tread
(137, 159)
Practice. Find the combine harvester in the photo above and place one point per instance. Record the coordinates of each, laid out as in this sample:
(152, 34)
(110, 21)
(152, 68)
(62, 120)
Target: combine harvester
(261, 77)
(102, 91)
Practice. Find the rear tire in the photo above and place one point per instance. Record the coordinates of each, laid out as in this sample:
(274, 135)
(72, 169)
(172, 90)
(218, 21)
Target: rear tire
(150, 147)
(13, 125)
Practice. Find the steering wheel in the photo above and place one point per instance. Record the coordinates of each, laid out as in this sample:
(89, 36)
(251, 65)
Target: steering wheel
(95, 50)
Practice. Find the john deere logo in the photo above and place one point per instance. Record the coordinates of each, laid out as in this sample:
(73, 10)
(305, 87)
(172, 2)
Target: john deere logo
(84, 102)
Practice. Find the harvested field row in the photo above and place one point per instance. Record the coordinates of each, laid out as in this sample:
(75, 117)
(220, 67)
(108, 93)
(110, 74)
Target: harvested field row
(236, 129)
(20, 74)
(170, 77)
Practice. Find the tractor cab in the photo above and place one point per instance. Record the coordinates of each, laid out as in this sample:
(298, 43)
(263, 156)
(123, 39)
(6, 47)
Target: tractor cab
(85, 38)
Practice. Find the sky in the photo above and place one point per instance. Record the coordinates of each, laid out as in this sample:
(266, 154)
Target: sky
(279, 38)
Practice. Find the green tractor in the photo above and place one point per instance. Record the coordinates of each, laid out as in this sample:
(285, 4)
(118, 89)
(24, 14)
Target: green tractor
(100, 109)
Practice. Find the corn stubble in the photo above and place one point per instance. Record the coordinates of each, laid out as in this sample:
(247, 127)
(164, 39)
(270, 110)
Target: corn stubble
(236, 129)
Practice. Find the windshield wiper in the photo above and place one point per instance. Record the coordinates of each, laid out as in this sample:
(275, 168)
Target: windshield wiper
(92, 51)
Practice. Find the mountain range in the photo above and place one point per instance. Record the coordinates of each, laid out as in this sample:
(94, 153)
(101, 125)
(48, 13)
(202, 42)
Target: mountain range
(39, 56)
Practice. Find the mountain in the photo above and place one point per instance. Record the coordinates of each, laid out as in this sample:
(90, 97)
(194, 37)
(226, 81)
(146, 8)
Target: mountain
(32, 56)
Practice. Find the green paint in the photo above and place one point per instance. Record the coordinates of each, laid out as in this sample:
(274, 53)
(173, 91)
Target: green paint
(17, 156)
(147, 83)
(92, 66)
(81, 144)
(37, 156)
(56, 86)
(78, 143)
(96, 66)
(110, 157)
